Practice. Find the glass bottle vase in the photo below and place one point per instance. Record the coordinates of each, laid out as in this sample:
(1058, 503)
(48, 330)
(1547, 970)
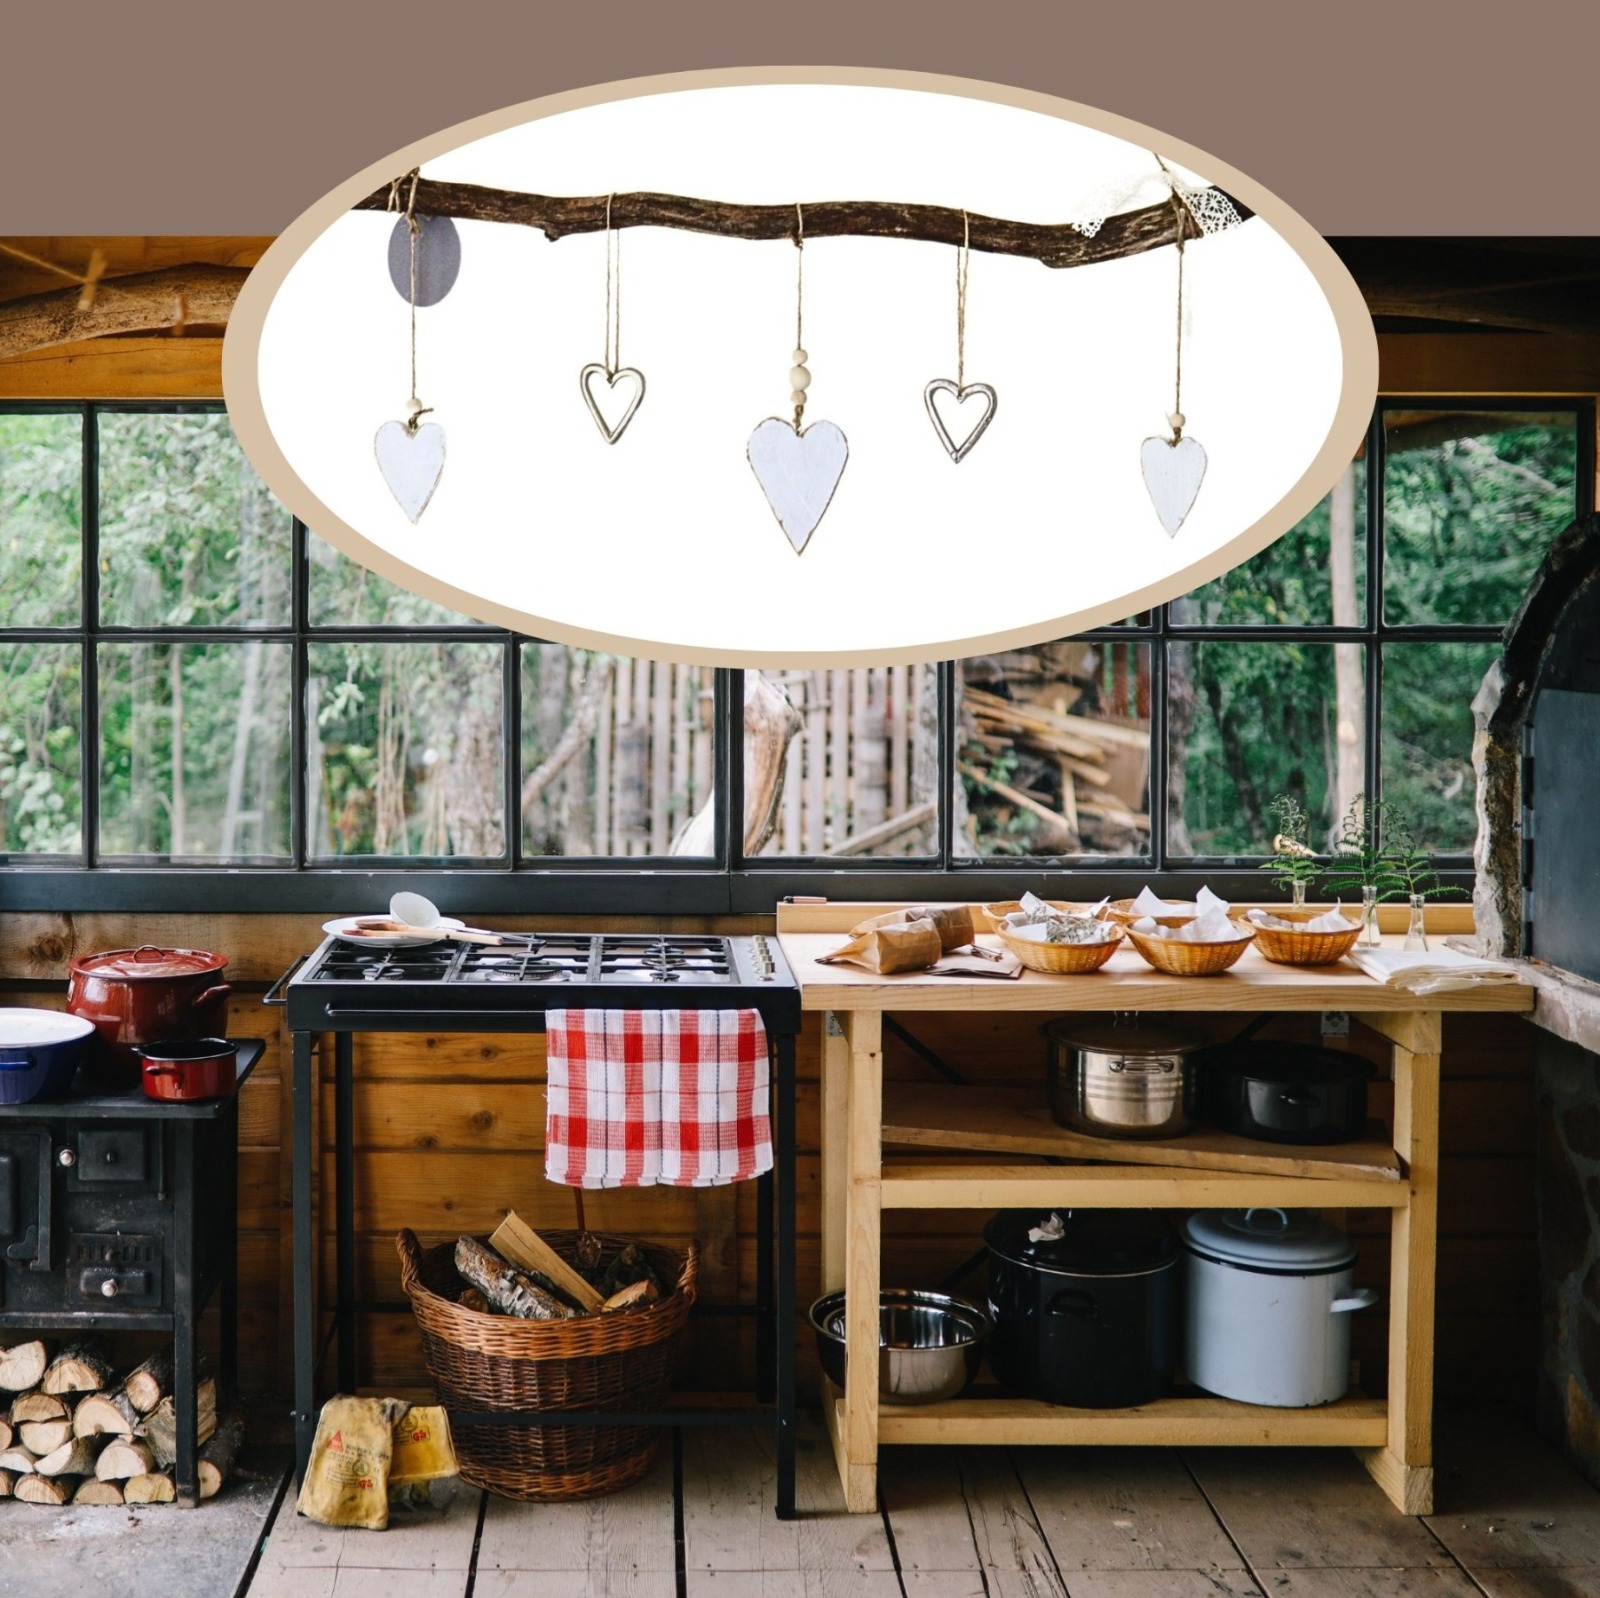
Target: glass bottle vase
(1416, 929)
(1297, 891)
(1370, 938)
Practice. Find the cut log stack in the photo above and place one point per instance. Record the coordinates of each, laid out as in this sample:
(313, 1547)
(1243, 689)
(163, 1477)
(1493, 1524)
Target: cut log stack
(71, 1434)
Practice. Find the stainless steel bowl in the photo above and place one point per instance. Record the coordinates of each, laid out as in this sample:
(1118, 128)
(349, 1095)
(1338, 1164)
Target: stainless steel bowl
(929, 1344)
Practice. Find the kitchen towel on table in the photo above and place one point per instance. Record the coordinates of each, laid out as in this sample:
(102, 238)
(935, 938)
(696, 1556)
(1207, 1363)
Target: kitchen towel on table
(1432, 971)
(639, 1097)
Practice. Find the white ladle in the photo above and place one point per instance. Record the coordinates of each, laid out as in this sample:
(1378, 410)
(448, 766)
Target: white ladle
(415, 911)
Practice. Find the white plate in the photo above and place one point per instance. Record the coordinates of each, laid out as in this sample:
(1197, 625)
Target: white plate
(345, 927)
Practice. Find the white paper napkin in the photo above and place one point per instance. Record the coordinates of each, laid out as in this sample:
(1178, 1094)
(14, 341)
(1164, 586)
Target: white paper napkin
(1432, 970)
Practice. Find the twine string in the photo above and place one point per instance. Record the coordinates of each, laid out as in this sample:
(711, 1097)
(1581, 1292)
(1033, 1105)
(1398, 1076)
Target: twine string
(414, 230)
(613, 339)
(963, 261)
(1177, 359)
(799, 295)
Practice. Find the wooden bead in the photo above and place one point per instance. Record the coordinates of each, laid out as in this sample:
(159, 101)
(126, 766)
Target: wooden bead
(799, 378)
(799, 357)
(1176, 420)
(798, 397)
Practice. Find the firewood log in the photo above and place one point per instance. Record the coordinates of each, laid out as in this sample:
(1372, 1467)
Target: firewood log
(35, 1489)
(105, 1412)
(472, 1299)
(18, 1460)
(22, 1366)
(7, 1434)
(92, 1491)
(7, 1482)
(216, 1458)
(154, 1488)
(79, 1368)
(119, 1460)
(37, 1406)
(147, 1384)
(507, 1289)
(44, 1436)
(516, 1241)
(75, 1457)
(160, 1428)
(644, 1291)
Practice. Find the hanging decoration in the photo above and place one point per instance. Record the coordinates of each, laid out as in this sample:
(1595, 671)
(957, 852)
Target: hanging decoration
(438, 258)
(961, 390)
(611, 368)
(798, 469)
(1174, 467)
(411, 453)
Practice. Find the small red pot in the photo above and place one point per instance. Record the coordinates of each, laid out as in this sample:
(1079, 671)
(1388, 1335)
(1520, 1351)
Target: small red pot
(149, 995)
(188, 1068)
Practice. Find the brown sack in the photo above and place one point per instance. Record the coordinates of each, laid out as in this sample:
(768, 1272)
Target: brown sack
(953, 923)
(347, 1480)
(911, 947)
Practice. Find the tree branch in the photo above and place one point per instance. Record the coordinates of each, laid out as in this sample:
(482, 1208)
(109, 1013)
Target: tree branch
(1057, 244)
(576, 735)
(141, 303)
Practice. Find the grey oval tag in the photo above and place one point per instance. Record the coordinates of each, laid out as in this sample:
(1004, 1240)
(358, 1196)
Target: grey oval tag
(438, 259)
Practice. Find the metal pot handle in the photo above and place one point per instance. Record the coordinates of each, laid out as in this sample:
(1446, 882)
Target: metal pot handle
(1148, 1067)
(1362, 1298)
(1073, 1301)
(1266, 1209)
(212, 996)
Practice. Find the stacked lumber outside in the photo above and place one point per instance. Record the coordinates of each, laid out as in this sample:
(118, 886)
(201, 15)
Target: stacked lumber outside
(73, 1435)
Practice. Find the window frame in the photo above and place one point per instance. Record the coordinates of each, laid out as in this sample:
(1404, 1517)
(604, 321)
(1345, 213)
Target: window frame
(729, 882)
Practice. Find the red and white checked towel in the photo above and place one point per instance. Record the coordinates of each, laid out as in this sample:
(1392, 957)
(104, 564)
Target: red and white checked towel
(636, 1097)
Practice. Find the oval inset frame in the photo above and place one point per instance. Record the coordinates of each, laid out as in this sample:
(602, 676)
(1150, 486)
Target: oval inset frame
(248, 410)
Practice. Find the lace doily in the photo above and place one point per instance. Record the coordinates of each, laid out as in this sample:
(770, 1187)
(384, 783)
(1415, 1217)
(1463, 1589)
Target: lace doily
(1211, 209)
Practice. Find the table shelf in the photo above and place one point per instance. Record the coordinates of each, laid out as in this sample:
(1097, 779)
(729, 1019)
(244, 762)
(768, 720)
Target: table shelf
(1018, 1121)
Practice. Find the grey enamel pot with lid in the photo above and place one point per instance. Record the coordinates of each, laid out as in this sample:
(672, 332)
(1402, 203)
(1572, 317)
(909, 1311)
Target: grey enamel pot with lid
(1123, 1077)
(1269, 1296)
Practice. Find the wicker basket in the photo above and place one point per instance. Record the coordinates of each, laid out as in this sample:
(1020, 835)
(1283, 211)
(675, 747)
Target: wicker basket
(1181, 959)
(1121, 910)
(1061, 959)
(1299, 947)
(995, 914)
(621, 1361)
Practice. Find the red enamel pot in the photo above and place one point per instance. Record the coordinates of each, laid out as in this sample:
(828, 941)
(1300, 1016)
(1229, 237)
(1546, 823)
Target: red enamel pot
(148, 995)
(188, 1068)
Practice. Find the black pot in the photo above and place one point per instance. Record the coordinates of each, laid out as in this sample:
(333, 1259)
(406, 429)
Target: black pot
(1090, 1318)
(1285, 1092)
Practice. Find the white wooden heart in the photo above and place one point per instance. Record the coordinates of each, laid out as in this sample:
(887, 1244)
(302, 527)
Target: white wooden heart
(411, 463)
(798, 472)
(943, 385)
(1172, 473)
(610, 431)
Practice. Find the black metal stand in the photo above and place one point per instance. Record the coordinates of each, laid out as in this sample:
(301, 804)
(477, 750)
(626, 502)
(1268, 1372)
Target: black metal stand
(111, 1234)
(775, 1260)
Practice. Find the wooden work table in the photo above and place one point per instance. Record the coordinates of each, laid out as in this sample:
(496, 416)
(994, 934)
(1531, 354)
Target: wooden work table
(1394, 1168)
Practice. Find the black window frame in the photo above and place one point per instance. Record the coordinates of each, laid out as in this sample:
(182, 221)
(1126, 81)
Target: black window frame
(729, 882)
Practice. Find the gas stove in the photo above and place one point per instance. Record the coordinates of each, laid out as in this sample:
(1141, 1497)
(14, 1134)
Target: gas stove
(345, 986)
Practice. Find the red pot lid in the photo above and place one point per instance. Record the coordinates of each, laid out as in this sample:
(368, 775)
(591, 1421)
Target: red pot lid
(149, 960)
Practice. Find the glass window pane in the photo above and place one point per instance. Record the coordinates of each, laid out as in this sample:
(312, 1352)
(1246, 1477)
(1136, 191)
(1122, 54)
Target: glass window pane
(1054, 751)
(1471, 501)
(842, 763)
(405, 750)
(189, 535)
(1315, 574)
(41, 720)
(618, 755)
(1428, 691)
(194, 750)
(41, 520)
(343, 593)
(1249, 721)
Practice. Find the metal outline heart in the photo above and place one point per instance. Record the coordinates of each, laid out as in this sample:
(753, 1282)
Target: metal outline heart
(421, 436)
(610, 434)
(945, 385)
(799, 435)
(1181, 445)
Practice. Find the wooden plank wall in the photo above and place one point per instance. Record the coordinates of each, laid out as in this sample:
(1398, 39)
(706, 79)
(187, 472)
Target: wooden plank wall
(449, 1131)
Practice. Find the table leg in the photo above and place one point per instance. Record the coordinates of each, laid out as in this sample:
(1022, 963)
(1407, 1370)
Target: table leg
(835, 1133)
(227, 1135)
(857, 1429)
(1404, 1466)
(345, 1204)
(305, 1258)
(185, 1368)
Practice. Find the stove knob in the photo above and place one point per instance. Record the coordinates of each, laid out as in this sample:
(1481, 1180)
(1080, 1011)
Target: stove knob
(67, 1158)
(109, 1288)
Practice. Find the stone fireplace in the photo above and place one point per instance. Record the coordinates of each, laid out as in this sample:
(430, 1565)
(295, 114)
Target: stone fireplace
(1537, 753)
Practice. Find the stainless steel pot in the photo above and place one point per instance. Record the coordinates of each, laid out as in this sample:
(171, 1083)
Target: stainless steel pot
(929, 1344)
(1113, 1078)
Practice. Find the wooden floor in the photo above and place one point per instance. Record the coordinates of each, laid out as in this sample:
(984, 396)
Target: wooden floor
(1514, 1521)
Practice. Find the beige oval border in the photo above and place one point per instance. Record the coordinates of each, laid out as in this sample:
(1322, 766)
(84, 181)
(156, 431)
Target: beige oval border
(1357, 395)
